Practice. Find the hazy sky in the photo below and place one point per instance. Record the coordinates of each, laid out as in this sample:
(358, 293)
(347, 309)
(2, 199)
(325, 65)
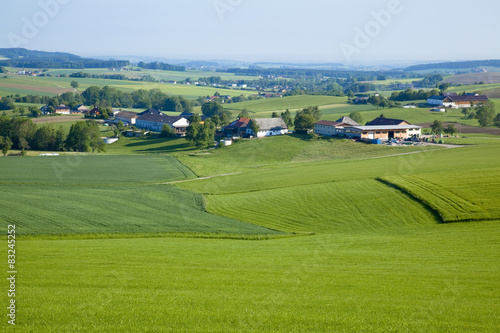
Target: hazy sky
(258, 30)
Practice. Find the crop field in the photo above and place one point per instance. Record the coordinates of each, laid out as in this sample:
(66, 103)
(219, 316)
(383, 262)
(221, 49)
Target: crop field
(474, 197)
(54, 195)
(293, 103)
(366, 256)
(291, 233)
(467, 79)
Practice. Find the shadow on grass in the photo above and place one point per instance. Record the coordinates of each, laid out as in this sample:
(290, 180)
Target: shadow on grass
(159, 145)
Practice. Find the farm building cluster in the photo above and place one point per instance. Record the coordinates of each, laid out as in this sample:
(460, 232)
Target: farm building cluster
(455, 101)
(383, 129)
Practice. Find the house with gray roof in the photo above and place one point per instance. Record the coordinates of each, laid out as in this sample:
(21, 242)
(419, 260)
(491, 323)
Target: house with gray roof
(154, 120)
(268, 127)
(348, 121)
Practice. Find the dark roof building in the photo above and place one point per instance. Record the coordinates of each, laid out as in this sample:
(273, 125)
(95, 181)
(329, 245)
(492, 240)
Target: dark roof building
(387, 122)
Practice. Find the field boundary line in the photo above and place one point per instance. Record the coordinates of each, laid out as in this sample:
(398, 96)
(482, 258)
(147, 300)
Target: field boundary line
(200, 178)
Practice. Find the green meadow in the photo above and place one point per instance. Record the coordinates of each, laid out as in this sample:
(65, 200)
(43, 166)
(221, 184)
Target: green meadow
(283, 234)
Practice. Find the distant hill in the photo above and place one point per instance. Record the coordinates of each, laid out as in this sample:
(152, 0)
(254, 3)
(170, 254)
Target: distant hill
(454, 65)
(201, 64)
(19, 57)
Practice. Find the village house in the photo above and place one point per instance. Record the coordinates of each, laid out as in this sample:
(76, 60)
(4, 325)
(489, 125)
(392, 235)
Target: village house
(126, 117)
(379, 128)
(457, 101)
(62, 109)
(154, 120)
(237, 128)
(80, 108)
(330, 128)
(269, 127)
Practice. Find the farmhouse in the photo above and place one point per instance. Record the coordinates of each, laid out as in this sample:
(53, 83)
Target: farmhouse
(62, 109)
(126, 117)
(269, 127)
(154, 120)
(379, 128)
(237, 128)
(330, 128)
(347, 121)
(80, 109)
(457, 101)
(385, 132)
(387, 122)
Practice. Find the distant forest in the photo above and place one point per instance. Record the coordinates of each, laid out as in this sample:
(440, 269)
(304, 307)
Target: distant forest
(19, 57)
(161, 66)
(454, 65)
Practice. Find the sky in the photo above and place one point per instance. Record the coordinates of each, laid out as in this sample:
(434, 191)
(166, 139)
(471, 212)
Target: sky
(339, 31)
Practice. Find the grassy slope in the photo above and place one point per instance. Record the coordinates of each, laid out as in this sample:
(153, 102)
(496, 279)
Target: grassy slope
(105, 194)
(442, 278)
(379, 261)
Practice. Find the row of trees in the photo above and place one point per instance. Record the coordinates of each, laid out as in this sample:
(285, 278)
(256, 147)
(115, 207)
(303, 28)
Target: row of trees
(21, 133)
(145, 99)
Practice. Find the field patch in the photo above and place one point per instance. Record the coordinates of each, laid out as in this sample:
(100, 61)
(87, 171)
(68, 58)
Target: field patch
(457, 197)
(474, 78)
(76, 209)
(361, 206)
(92, 170)
(32, 89)
(281, 104)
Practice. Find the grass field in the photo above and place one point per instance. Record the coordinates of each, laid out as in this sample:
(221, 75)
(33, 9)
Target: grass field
(293, 103)
(379, 259)
(104, 245)
(55, 195)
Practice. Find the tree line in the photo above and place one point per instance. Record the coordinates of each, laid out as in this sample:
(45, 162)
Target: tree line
(161, 66)
(21, 133)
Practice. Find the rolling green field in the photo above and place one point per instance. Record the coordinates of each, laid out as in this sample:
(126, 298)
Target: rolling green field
(372, 258)
(293, 103)
(291, 233)
(54, 196)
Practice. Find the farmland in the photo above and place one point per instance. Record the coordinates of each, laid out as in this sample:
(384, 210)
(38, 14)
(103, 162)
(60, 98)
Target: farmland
(290, 233)
(372, 257)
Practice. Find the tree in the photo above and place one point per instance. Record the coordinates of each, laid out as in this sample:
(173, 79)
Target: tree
(5, 144)
(211, 108)
(313, 111)
(382, 116)
(444, 86)
(94, 135)
(485, 113)
(244, 114)
(75, 84)
(193, 128)
(206, 135)
(22, 111)
(79, 137)
(275, 115)
(496, 120)
(437, 127)
(254, 126)
(120, 126)
(465, 112)
(23, 144)
(304, 121)
(166, 131)
(356, 116)
(450, 129)
(44, 138)
(35, 112)
(287, 118)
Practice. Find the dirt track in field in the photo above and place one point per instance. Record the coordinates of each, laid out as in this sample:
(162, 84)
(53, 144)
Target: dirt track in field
(57, 119)
(53, 90)
(466, 129)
